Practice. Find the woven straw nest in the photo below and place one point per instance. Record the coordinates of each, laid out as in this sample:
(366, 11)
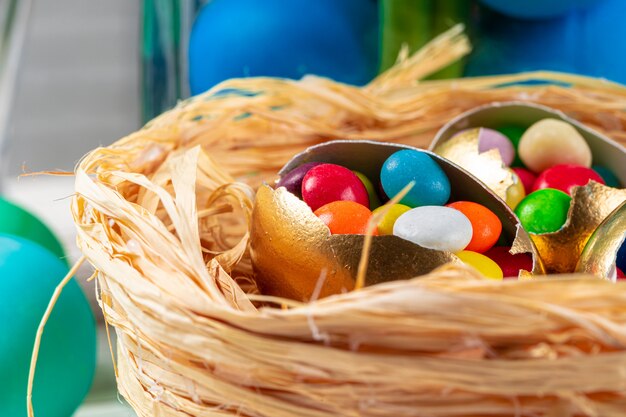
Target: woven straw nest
(163, 215)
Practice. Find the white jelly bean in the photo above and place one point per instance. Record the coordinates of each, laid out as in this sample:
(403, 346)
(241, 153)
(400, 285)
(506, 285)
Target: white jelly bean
(435, 227)
(552, 142)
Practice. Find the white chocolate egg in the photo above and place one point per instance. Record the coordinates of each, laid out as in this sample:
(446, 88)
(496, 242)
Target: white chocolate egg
(551, 142)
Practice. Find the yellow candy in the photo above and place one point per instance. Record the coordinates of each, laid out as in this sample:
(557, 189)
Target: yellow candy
(515, 193)
(385, 226)
(483, 264)
(552, 142)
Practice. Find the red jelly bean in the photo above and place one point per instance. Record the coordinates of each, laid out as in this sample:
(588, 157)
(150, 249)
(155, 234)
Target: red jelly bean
(510, 264)
(528, 178)
(620, 274)
(345, 217)
(564, 177)
(326, 183)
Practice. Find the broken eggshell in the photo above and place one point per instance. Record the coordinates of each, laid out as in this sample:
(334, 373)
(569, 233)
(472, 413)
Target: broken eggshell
(560, 250)
(295, 256)
(463, 150)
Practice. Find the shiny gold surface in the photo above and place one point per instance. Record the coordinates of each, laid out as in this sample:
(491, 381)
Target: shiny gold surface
(292, 250)
(488, 167)
(590, 205)
(598, 256)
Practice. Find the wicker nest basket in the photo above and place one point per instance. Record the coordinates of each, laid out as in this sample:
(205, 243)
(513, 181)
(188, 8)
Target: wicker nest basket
(163, 216)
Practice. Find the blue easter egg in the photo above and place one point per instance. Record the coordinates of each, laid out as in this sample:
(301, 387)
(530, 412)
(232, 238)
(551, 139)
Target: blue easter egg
(536, 9)
(67, 358)
(283, 38)
(582, 41)
(432, 187)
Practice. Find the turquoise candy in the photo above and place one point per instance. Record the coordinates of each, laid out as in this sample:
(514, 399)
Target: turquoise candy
(67, 357)
(608, 176)
(432, 187)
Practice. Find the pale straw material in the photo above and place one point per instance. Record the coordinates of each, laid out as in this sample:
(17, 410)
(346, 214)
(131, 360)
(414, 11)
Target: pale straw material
(163, 215)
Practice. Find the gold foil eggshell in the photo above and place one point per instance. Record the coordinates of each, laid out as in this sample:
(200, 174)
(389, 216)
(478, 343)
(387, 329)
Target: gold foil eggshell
(598, 256)
(462, 149)
(294, 255)
(293, 252)
(591, 204)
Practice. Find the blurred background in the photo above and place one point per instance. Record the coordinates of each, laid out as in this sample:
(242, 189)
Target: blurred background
(78, 74)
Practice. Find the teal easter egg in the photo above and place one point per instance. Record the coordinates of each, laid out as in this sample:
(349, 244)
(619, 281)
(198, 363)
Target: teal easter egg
(432, 186)
(29, 275)
(14, 220)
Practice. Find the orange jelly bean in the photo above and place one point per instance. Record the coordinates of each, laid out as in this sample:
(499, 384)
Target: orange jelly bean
(486, 225)
(345, 217)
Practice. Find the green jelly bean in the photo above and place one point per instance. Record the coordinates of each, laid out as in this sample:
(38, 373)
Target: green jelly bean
(371, 191)
(543, 211)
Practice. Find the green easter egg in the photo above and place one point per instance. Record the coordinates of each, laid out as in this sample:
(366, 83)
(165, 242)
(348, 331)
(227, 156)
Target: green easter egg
(67, 357)
(543, 211)
(514, 133)
(371, 191)
(14, 220)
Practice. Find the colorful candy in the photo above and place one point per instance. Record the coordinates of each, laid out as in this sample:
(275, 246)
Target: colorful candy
(608, 176)
(551, 142)
(371, 191)
(486, 226)
(292, 181)
(326, 183)
(432, 187)
(515, 192)
(341, 199)
(509, 263)
(492, 139)
(345, 217)
(543, 211)
(481, 263)
(527, 178)
(435, 227)
(385, 225)
(565, 177)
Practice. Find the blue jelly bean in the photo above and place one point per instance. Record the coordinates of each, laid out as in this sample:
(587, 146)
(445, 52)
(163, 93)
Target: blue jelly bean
(620, 260)
(607, 175)
(432, 187)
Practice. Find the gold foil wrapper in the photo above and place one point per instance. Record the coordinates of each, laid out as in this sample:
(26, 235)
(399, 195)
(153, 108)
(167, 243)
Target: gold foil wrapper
(295, 256)
(598, 256)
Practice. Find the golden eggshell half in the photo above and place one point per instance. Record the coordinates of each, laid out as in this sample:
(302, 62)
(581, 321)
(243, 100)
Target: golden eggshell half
(295, 256)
